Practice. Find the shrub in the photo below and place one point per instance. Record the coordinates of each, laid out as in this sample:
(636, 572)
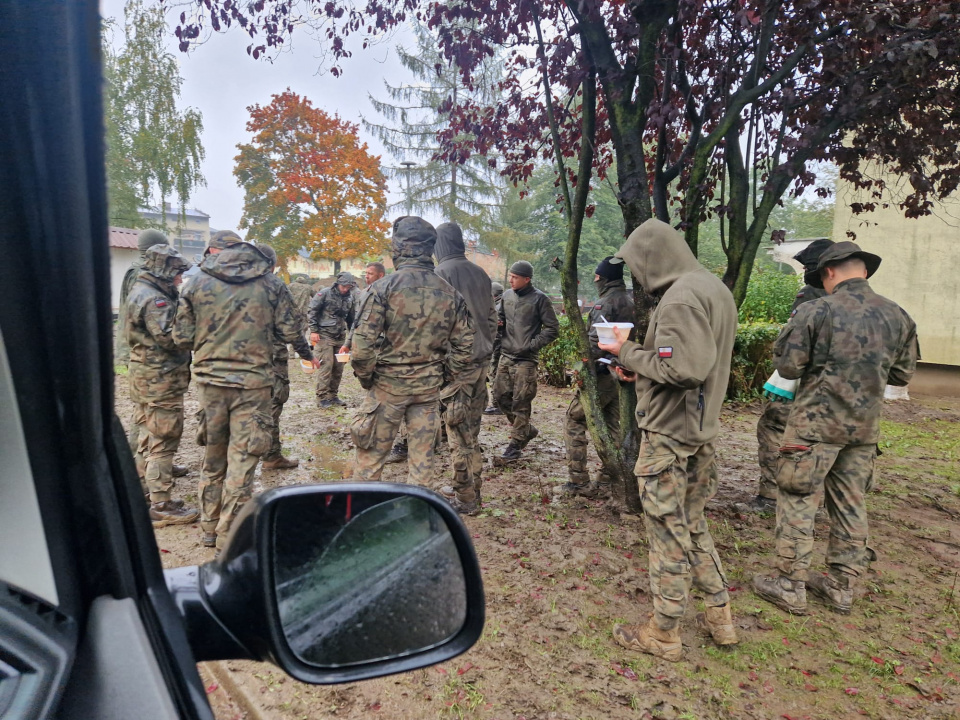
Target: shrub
(559, 356)
(752, 359)
(770, 296)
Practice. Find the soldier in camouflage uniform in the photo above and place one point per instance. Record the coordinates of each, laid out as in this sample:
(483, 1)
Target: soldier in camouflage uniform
(159, 376)
(463, 410)
(616, 305)
(145, 240)
(373, 272)
(302, 291)
(230, 315)
(773, 420)
(529, 325)
(844, 348)
(681, 371)
(274, 459)
(492, 408)
(330, 316)
(413, 337)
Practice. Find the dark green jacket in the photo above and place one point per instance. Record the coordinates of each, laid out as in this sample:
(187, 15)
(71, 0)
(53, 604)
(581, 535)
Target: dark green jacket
(616, 305)
(529, 323)
(331, 313)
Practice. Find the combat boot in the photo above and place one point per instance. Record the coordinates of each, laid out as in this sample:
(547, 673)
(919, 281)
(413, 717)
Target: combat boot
(398, 453)
(512, 452)
(492, 410)
(209, 540)
(325, 403)
(786, 594)
(179, 471)
(279, 462)
(168, 513)
(651, 640)
(340, 402)
(719, 623)
(832, 591)
(759, 504)
(571, 489)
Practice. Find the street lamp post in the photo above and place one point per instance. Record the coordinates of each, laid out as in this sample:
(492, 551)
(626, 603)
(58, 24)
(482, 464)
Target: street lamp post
(407, 164)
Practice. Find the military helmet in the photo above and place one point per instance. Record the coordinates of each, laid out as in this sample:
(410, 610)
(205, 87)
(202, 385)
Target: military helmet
(150, 237)
(223, 239)
(164, 262)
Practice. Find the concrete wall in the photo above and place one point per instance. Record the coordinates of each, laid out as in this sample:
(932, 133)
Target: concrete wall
(120, 260)
(920, 269)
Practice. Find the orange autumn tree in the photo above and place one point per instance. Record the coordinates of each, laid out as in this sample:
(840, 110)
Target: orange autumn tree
(310, 183)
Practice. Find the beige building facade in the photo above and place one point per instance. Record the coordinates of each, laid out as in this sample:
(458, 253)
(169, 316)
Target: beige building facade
(920, 272)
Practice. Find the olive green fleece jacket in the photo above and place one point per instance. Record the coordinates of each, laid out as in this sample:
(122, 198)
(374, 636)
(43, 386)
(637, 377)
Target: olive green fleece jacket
(684, 363)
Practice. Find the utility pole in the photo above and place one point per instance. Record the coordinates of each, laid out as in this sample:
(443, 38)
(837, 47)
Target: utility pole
(407, 164)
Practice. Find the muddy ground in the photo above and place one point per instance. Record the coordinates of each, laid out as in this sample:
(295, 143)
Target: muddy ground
(558, 576)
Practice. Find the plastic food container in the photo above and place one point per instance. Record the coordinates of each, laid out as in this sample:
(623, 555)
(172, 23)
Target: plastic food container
(307, 366)
(605, 330)
(343, 357)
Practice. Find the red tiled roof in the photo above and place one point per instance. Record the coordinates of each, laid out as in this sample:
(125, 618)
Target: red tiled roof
(123, 238)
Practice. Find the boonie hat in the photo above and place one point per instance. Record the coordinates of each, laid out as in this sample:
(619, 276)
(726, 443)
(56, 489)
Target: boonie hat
(838, 252)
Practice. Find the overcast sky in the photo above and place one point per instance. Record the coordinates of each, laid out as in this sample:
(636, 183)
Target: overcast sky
(221, 80)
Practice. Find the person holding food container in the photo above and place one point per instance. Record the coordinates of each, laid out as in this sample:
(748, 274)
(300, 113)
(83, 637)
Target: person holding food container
(681, 372)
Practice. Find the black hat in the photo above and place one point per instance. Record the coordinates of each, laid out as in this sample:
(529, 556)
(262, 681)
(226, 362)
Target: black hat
(810, 255)
(608, 270)
(522, 268)
(838, 252)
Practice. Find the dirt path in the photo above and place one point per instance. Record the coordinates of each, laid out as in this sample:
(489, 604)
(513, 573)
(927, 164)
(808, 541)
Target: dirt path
(558, 576)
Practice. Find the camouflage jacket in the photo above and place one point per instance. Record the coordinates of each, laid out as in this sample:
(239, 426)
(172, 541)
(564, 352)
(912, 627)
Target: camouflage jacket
(231, 313)
(302, 292)
(158, 368)
(426, 328)
(331, 313)
(529, 323)
(281, 355)
(845, 348)
(616, 305)
(806, 294)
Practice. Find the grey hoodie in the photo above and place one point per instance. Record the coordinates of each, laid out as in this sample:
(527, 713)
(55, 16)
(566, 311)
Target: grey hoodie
(684, 364)
(473, 284)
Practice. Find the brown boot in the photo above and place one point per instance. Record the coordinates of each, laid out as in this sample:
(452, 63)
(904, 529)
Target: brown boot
(180, 471)
(168, 513)
(651, 640)
(833, 592)
(786, 594)
(719, 623)
(279, 462)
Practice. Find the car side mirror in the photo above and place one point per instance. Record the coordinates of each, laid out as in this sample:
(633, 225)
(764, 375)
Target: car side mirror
(336, 583)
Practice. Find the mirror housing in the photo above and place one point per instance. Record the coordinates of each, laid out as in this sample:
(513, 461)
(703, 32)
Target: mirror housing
(230, 605)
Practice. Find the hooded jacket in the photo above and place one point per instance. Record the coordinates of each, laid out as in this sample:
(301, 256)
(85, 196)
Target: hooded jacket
(230, 314)
(473, 284)
(683, 365)
(159, 370)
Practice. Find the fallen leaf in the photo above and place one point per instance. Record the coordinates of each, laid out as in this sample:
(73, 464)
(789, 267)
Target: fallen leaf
(878, 661)
(211, 688)
(809, 688)
(898, 669)
(852, 691)
(441, 670)
(468, 666)
(753, 676)
(164, 551)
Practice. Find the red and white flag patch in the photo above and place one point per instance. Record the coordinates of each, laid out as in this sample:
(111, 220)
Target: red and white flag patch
(665, 352)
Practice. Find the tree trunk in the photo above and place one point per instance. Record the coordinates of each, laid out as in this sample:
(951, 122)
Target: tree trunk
(336, 268)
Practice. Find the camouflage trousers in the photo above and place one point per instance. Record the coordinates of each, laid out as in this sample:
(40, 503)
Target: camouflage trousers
(514, 389)
(770, 428)
(575, 427)
(465, 411)
(281, 393)
(134, 428)
(160, 427)
(806, 471)
(235, 429)
(676, 482)
(330, 371)
(375, 426)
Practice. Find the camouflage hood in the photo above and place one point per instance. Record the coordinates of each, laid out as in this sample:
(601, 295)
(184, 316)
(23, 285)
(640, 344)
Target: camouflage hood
(239, 263)
(449, 242)
(657, 256)
(163, 262)
(413, 237)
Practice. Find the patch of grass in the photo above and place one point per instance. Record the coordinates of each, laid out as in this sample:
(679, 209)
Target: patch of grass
(460, 697)
(120, 370)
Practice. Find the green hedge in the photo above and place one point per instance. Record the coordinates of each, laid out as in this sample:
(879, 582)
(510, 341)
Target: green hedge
(770, 296)
(751, 366)
(559, 356)
(752, 359)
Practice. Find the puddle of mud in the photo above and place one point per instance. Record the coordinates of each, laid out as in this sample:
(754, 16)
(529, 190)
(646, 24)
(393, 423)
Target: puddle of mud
(328, 463)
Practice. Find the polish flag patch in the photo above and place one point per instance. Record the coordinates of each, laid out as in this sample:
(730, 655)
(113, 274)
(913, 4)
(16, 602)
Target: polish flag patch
(665, 352)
